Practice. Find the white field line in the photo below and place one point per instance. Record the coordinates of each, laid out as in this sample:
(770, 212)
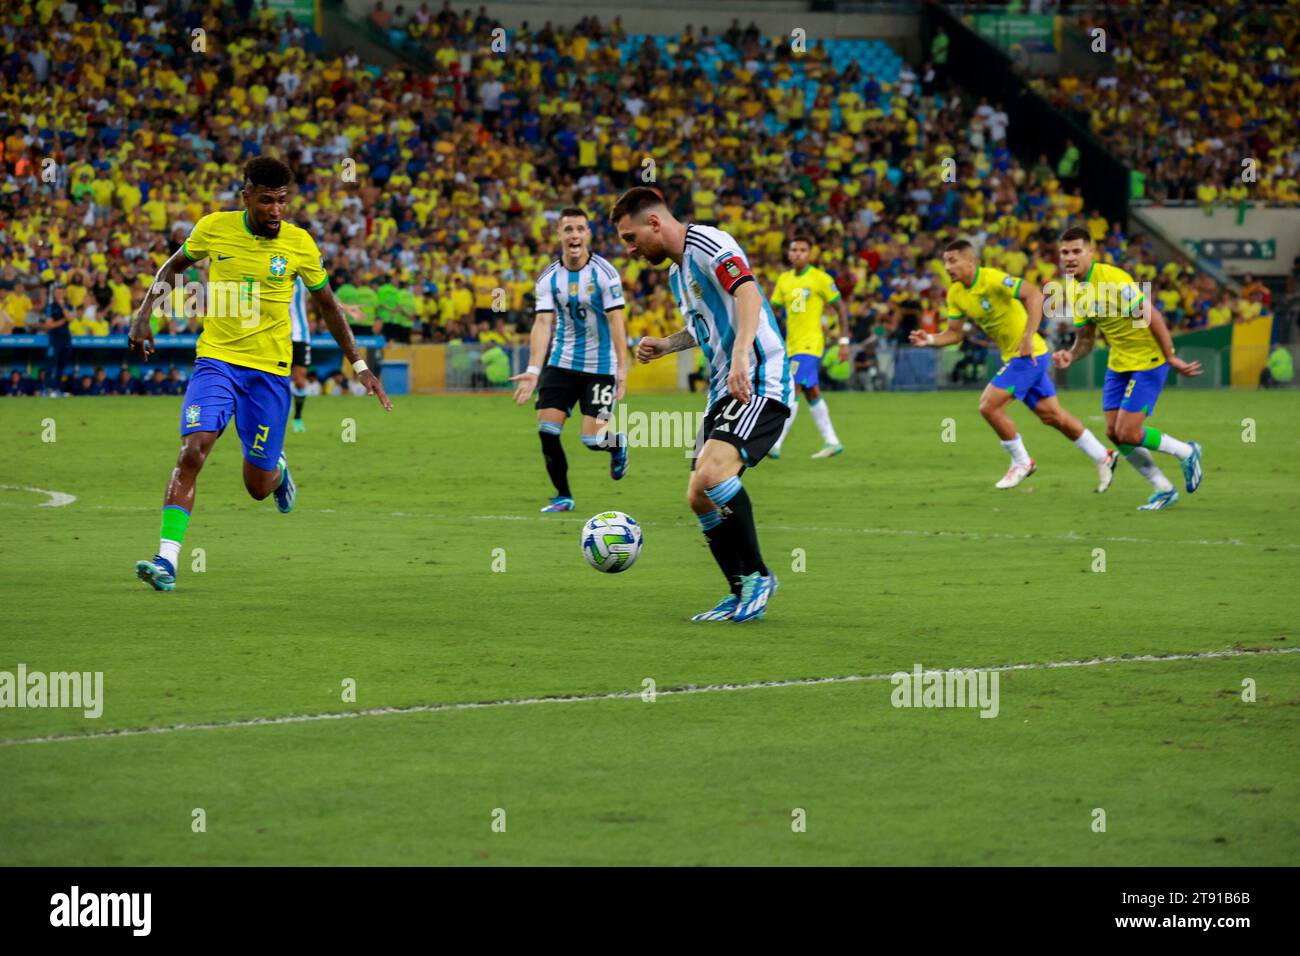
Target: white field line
(630, 695)
(1069, 536)
(57, 498)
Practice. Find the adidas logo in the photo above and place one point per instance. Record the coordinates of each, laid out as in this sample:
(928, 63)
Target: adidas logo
(724, 427)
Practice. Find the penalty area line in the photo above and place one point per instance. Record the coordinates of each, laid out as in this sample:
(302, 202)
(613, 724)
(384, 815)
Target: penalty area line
(633, 695)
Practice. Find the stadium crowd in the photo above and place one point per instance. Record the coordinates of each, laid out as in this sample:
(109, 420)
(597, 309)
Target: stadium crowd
(432, 195)
(1190, 91)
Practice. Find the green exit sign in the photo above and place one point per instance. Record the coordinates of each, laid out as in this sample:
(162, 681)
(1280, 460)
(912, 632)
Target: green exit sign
(1232, 248)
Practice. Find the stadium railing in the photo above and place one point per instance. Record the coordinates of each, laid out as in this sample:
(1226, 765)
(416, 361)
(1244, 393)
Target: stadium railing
(26, 350)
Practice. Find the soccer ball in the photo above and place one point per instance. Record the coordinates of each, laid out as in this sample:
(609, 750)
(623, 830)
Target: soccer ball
(611, 542)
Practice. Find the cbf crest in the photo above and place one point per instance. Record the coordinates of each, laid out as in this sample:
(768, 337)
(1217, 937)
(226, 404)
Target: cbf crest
(192, 414)
(279, 264)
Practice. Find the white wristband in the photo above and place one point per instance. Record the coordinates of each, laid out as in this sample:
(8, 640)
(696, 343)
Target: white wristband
(844, 340)
(533, 370)
(359, 366)
(929, 338)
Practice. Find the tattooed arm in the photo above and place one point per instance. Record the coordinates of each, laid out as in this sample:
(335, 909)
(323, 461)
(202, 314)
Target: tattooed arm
(651, 348)
(1085, 338)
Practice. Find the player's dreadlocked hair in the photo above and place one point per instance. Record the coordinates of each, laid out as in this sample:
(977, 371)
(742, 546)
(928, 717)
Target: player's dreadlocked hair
(267, 171)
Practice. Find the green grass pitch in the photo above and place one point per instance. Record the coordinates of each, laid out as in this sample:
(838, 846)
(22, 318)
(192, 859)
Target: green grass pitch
(384, 575)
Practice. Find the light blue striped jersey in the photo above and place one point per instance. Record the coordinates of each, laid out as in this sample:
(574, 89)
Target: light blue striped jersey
(713, 267)
(300, 328)
(581, 300)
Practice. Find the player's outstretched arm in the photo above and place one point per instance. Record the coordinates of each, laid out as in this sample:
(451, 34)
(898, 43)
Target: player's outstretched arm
(329, 309)
(1160, 329)
(953, 334)
(749, 304)
(538, 341)
(651, 348)
(842, 308)
(618, 331)
(1085, 337)
(140, 337)
(1032, 297)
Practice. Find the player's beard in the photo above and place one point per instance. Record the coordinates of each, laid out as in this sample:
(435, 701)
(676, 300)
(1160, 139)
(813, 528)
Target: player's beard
(263, 229)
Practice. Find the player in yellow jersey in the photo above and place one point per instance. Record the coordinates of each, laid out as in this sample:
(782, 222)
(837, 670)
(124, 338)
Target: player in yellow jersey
(1105, 298)
(805, 291)
(244, 353)
(1010, 310)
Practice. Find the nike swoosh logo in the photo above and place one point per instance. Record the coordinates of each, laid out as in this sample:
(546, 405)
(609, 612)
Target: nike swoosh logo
(224, 258)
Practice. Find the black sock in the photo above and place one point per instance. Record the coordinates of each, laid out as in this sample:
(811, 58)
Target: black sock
(297, 405)
(739, 513)
(722, 543)
(557, 466)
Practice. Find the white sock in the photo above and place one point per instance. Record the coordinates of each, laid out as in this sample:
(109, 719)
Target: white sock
(1172, 446)
(1088, 444)
(1146, 466)
(1016, 449)
(822, 416)
(794, 410)
(171, 550)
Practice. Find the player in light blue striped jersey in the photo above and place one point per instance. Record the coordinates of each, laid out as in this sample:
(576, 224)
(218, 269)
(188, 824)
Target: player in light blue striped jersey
(750, 390)
(580, 299)
(300, 335)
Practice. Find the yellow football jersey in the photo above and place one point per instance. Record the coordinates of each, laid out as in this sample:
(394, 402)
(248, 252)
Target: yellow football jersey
(805, 297)
(1109, 298)
(990, 301)
(250, 287)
